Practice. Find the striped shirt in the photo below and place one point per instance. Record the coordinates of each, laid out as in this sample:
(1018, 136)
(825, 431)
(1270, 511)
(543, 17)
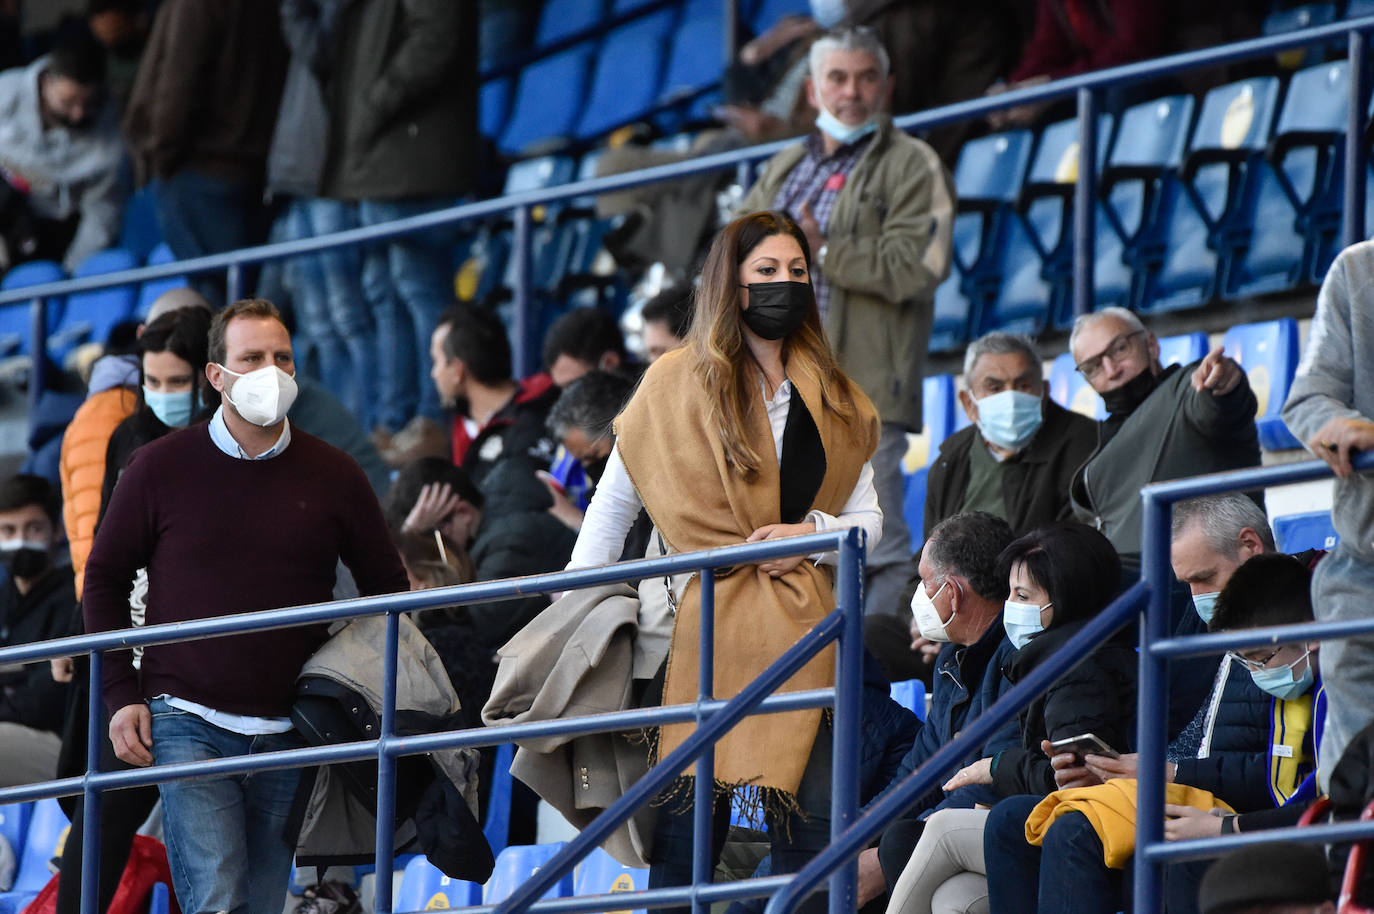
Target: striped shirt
(818, 179)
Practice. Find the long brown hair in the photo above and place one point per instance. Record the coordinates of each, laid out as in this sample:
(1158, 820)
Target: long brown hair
(723, 360)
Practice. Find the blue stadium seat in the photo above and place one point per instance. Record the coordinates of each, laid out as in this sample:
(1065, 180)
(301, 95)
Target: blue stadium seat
(496, 829)
(1295, 533)
(14, 317)
(767, 13)
(694, 60)
(89, 316)
(494, 106)
(425, 888)
(1358, 9)
(1037, 248)
(628, 73)
(914, 505)
(1182, 350)
(1071, 390)
(140, 231)
(988, 180)
(1139, 181)
(548, 100)
(1297, 18)
(1232, 203)
(516, 864)
(564, 18)
(160, 899)
(14, 825)
(910, 694)
(601, 874)
(938, 408)
(46, 832)
(153, 288)
(1268, 352)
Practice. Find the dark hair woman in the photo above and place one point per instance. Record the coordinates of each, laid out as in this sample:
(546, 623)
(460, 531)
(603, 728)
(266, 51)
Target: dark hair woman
(756, 420)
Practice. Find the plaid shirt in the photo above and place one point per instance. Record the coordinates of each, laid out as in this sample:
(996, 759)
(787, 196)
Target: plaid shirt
(818, 179)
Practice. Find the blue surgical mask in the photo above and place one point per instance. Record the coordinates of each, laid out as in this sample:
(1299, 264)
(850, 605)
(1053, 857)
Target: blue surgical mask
(1279, 681)
(1206, 604)
(1010, 419)
(1021, 620)
(841, 132)
(172, 409)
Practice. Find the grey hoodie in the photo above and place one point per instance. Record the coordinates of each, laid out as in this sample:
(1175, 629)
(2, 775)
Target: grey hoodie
(1335, 379)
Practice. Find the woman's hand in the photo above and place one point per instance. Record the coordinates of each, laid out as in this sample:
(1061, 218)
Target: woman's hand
(776, 568)
(436, 502)
(1124, 766)
(980, 772)
(1190, 822)
(1069, 770)
(62, 669)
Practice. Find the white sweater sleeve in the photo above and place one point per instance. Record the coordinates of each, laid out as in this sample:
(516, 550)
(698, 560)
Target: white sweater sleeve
(615, 505)
(861, 510)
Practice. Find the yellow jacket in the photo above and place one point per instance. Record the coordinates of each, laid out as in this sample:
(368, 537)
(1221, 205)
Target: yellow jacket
(1110, 809)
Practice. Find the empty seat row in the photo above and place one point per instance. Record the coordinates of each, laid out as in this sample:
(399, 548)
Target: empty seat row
(1236, 197)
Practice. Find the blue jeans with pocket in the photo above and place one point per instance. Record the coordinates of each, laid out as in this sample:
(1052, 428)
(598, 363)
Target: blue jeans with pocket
(226, 836)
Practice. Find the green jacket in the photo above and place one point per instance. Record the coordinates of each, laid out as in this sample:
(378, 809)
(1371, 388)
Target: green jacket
(887, 249)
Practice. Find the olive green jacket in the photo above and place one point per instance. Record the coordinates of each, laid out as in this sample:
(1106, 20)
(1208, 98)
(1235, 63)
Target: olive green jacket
(887, 249)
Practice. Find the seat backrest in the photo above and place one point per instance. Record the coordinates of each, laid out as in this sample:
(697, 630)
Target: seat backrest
(1310, 530)
(1317, 99)
(425, 888)
(1239, 115)
(1268, 352)
(627, 74)
(494, 106)
(150, 290)
(539, 173)
(102, 308)
(1056, 156)
(47, 832)
(937, 410)
(1299, 17)
(767, 13)
(14, 825)
(694, 59)
(910, 694)
(33, 273)
(1358, 9)
(1154, 133)
(991, 168)
(548, 99)
(563, 18)
(516, 864)
(1182, 349)
(1071, 390)
(601, 874)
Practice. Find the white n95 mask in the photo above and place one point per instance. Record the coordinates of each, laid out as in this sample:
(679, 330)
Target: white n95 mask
(927, 616)
(262, 396)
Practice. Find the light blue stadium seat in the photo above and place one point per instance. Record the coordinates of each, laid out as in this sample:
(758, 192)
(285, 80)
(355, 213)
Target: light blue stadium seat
(516, 864)
(497, 825)
(1071, 390)
(425, 888)
(988, 180)
(938, 408)
(1183, 349)
(1295, 533)
(694, 58)
(153, 288)
(1358, 9)
(15, 317)
(139, 230)
(601, 874)
(910, 694)
(1139, 182)
(1268, 352)
(14, 825)
(160, 899)
(89, 316)
(914, 505)
(548, 100)
(626, 80)
(46, 832)
(1233, 203)
(1294, 19)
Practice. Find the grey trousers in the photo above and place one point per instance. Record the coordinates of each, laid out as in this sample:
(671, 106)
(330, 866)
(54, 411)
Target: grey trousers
(946, 873)
(889, 563)
(1343, 589)
(27, 756)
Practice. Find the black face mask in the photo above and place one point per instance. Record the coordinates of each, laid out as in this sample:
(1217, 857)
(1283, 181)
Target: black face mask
(1124, 400)
(25, 562)
(595, 468)
(776, 308)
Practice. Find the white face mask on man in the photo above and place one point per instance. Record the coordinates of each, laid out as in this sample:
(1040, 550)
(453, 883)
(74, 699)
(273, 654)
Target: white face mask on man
(261, 396)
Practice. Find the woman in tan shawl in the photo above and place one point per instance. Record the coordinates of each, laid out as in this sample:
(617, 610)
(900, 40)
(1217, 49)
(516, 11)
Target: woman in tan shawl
(749, 432)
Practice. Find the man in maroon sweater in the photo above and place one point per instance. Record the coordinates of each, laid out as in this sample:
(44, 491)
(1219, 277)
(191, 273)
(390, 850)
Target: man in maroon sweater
(237, 514)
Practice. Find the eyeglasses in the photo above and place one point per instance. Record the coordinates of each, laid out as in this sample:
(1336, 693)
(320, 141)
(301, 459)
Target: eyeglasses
(1116, 350)
(1255, 666)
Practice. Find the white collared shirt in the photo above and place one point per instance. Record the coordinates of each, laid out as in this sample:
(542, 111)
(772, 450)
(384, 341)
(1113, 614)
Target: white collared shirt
(224, 440)
(615, 503)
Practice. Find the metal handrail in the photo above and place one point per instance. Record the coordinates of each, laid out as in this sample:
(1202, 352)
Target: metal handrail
(713, 717)
(1085, 87)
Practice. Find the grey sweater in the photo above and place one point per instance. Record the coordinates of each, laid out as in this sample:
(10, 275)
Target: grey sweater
(1335, 379)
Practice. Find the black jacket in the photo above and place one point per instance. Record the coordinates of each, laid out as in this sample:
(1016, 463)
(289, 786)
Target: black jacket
(402, 100)
(29, 695)
(517, 431)
(1035, 482)
(1097, 696)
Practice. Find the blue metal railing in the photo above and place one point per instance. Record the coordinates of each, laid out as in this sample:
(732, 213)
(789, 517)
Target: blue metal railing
(1087, 89)
(713, 717)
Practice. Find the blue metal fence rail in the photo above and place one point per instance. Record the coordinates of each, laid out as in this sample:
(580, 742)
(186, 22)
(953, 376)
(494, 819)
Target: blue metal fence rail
(1087, 89)
(713, 717)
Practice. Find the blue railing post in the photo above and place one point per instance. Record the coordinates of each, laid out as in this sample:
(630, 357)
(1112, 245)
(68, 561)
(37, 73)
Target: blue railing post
(1153, 697)
(703, 810)
(90, 800)
(1085, 204)
(1354, 209)
(849, 658)
(520, 292)
(386, 771)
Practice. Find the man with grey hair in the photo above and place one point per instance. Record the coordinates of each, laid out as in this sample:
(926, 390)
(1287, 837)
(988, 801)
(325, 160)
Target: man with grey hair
(1162, 423)
(877, 208)
(1018, 457)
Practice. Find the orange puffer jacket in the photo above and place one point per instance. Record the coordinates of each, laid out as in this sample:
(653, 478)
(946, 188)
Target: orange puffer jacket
(82, 467)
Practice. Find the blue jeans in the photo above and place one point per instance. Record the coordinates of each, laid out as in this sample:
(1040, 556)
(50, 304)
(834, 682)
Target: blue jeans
(333, 315)
(408, 282)
(226, 837)
(1065, 875)
(201, 214)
